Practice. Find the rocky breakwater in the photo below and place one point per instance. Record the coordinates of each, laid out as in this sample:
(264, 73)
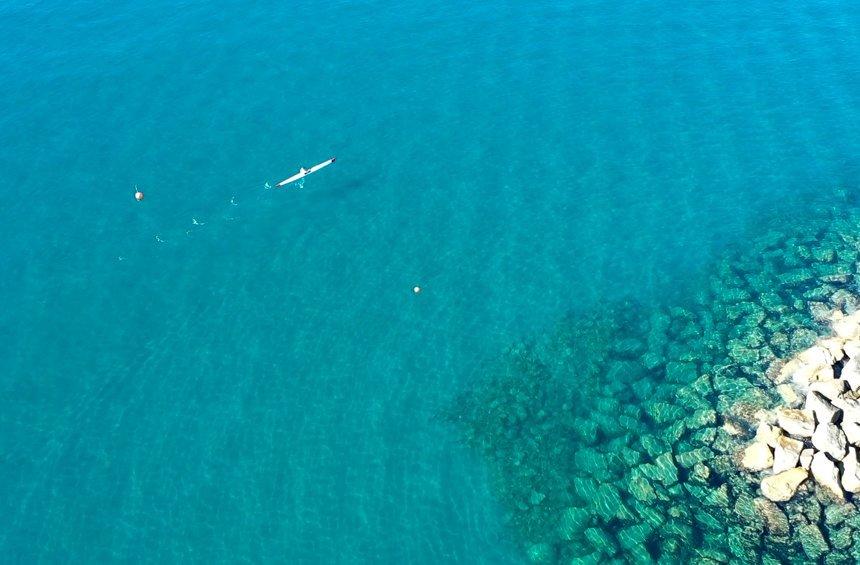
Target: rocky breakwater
(613, 437)
(816, 433)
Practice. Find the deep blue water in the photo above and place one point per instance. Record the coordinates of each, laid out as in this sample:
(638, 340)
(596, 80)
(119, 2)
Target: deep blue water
(264, 386)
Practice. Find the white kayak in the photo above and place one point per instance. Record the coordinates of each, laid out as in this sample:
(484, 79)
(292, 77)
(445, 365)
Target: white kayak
(305, 172)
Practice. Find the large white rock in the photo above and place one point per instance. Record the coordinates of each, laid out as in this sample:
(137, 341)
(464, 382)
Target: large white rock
(850, 409)
(852, 431)
(851, 373)
(824, 373)
(787, 370)
(768, 434)
(826, 474)
(852, 348)
(806, 374)
(814, 364)
(786, 454)
(830, 439)
(817, 356)
(806, 457)
(782, 487)
(825, 412)
(851, 472)
(799, 423)
(757, 457)
(847, 327)
(835, 345)
(829, 389)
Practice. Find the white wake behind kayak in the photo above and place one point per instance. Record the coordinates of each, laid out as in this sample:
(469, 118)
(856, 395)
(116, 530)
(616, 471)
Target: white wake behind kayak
(301, 175)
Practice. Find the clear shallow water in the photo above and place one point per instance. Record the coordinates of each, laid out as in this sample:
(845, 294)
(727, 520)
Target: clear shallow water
(265, 386)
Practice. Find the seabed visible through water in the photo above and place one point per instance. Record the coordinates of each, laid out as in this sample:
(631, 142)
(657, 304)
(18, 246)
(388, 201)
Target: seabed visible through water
(617, 436)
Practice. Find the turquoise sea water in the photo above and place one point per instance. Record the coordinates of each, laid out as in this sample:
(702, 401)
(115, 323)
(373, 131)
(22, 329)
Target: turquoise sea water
(264, 386)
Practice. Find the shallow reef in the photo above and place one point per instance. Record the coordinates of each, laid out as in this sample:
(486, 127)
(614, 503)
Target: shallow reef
(618, 436)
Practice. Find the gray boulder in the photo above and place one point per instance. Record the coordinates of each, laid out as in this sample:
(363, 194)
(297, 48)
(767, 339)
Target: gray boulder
(830, 439)
(825, 412)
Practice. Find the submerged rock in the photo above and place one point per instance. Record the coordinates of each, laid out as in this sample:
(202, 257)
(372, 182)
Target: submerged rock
(678, 392)
(693, 457)
(836, 514)
(718, 497)
(663, 469)
(607, 503)
(541, 553)
(641, 489)
(629, 347)
(702, 418)
(601, 541)
(840, 538)
(663, 412)
(572, 521)
(812, 540)
(635, 535)
(683, 373)
(789, 395)
(701, 473)
(774, 518)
